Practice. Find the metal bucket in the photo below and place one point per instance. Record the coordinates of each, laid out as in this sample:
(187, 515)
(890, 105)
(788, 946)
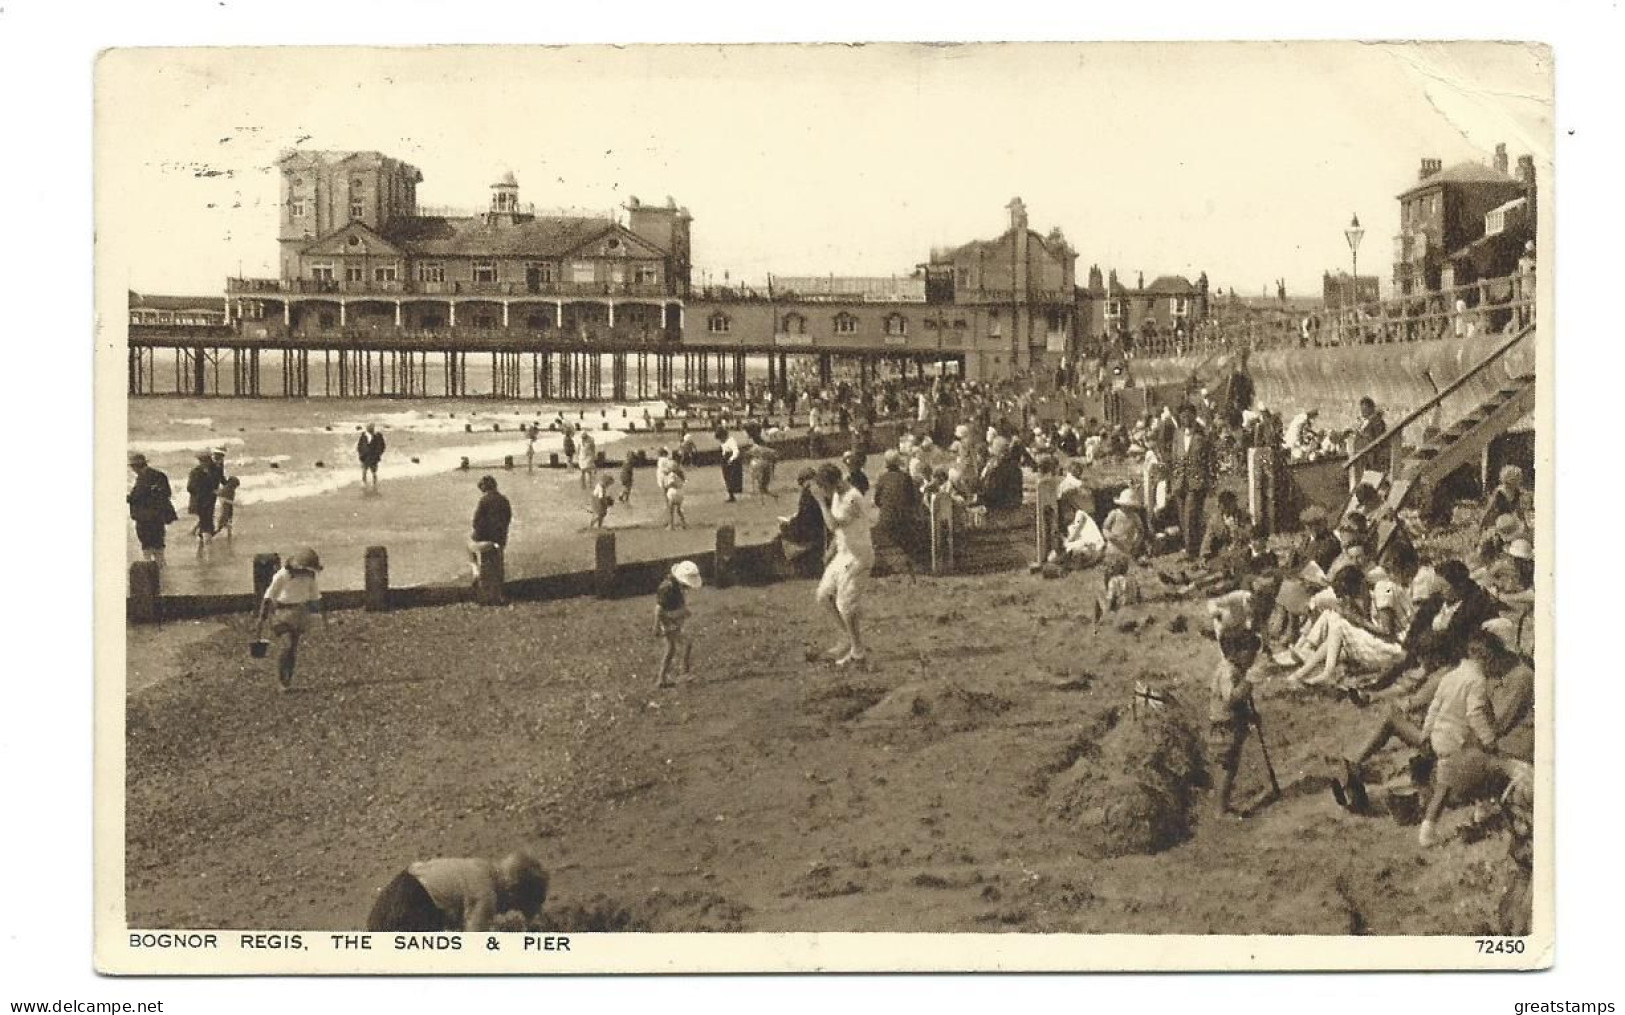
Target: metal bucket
(259, 648)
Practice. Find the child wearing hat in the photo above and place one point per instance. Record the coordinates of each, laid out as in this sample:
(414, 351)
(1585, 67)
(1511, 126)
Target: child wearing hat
(291, 603)
(1125, 528)
(671, 616)
(1508, 498)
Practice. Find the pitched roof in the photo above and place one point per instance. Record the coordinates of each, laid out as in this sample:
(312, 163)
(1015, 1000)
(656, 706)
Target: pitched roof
(154, 301)
(435, 236)
(1462, 172)
(1171, 284)
(338, 242)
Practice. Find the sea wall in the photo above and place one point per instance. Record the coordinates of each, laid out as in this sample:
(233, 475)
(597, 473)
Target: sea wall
(1333, 379)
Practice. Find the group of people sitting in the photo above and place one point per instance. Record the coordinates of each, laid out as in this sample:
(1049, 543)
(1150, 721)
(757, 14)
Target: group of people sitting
(1440, 650)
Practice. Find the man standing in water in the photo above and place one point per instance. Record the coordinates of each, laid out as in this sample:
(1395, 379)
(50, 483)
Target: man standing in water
(202, 485)
(150, 508)
(369, 447)
(850, 518)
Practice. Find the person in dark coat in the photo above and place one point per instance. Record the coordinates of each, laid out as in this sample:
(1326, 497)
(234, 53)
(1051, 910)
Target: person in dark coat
(1372, 426)
(151, 508)
(1192, 479)
(369, 447)
(897, 506)
(492, 517)
(854, 460)
(202, 486)
(806, 526)
(1001, 477)
(733, 464)
(1238, 392)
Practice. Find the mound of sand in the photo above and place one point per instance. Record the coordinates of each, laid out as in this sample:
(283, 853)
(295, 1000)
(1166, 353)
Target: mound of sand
(1135, 791)
(937, 703)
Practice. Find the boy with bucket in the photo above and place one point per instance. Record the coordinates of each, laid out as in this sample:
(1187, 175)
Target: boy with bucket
(292, 602)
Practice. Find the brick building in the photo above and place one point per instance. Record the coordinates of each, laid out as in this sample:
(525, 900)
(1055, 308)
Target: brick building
(1344, 290)
(1445, 212)
(1171, 304)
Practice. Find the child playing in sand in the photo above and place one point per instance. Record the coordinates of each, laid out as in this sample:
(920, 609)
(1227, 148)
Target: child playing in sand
(601, 500)
(671, 614)
(228, 507)
(674, 499)
(1230, 709)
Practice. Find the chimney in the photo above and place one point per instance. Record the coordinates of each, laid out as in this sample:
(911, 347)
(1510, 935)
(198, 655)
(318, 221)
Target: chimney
(1095, 281)
(1501, 159)
(1526, 171)
(1429, 167)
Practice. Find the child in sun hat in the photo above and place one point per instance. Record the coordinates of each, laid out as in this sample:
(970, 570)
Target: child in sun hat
(671, 615)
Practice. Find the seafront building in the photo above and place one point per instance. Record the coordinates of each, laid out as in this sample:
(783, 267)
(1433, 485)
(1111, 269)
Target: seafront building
(371, 286)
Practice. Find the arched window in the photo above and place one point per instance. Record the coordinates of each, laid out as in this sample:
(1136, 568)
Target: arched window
(795, 324)
(846, 324)
(896, 324)
(718, 324)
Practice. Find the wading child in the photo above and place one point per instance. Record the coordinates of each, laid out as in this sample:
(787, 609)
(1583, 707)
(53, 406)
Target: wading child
(228, 507)
(1230, 709)
(671, 616)
(674, 500)
(292, 603)
(601, 500)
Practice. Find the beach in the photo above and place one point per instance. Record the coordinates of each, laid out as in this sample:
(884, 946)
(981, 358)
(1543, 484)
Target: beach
(421, 510)
(764, 794)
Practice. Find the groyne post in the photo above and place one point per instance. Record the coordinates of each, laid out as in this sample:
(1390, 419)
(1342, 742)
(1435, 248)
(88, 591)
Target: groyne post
(724, 556)
(144, 605)
(603, 565)
(488, 585)
(375, 596)
(266, 565)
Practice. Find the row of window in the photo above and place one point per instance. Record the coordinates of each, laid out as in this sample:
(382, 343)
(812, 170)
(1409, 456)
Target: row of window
(488, 272)
(1178, 306)
(720, 323)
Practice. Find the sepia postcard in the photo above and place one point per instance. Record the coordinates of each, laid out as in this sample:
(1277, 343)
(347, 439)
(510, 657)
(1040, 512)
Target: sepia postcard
(895, 507)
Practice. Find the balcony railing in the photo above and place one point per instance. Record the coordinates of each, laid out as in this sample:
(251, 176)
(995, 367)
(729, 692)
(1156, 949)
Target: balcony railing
(272, 287)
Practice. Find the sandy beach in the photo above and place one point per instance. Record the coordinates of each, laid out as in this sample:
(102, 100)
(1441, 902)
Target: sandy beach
(764, 794)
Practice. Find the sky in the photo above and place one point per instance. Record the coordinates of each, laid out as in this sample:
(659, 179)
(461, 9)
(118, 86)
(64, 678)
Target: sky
(1243, 160)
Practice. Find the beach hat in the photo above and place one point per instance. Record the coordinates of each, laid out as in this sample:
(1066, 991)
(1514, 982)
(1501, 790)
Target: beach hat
(486, 483)
(1129, 498)
(218, 452)
(1508, 526)
(1312, 514)
(1427, 583)
(687, 574)
(1504, 631)
(1521, 549)
(305, 560)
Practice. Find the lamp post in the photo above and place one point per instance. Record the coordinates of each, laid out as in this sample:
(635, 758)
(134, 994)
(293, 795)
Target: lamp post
(1354, 234)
